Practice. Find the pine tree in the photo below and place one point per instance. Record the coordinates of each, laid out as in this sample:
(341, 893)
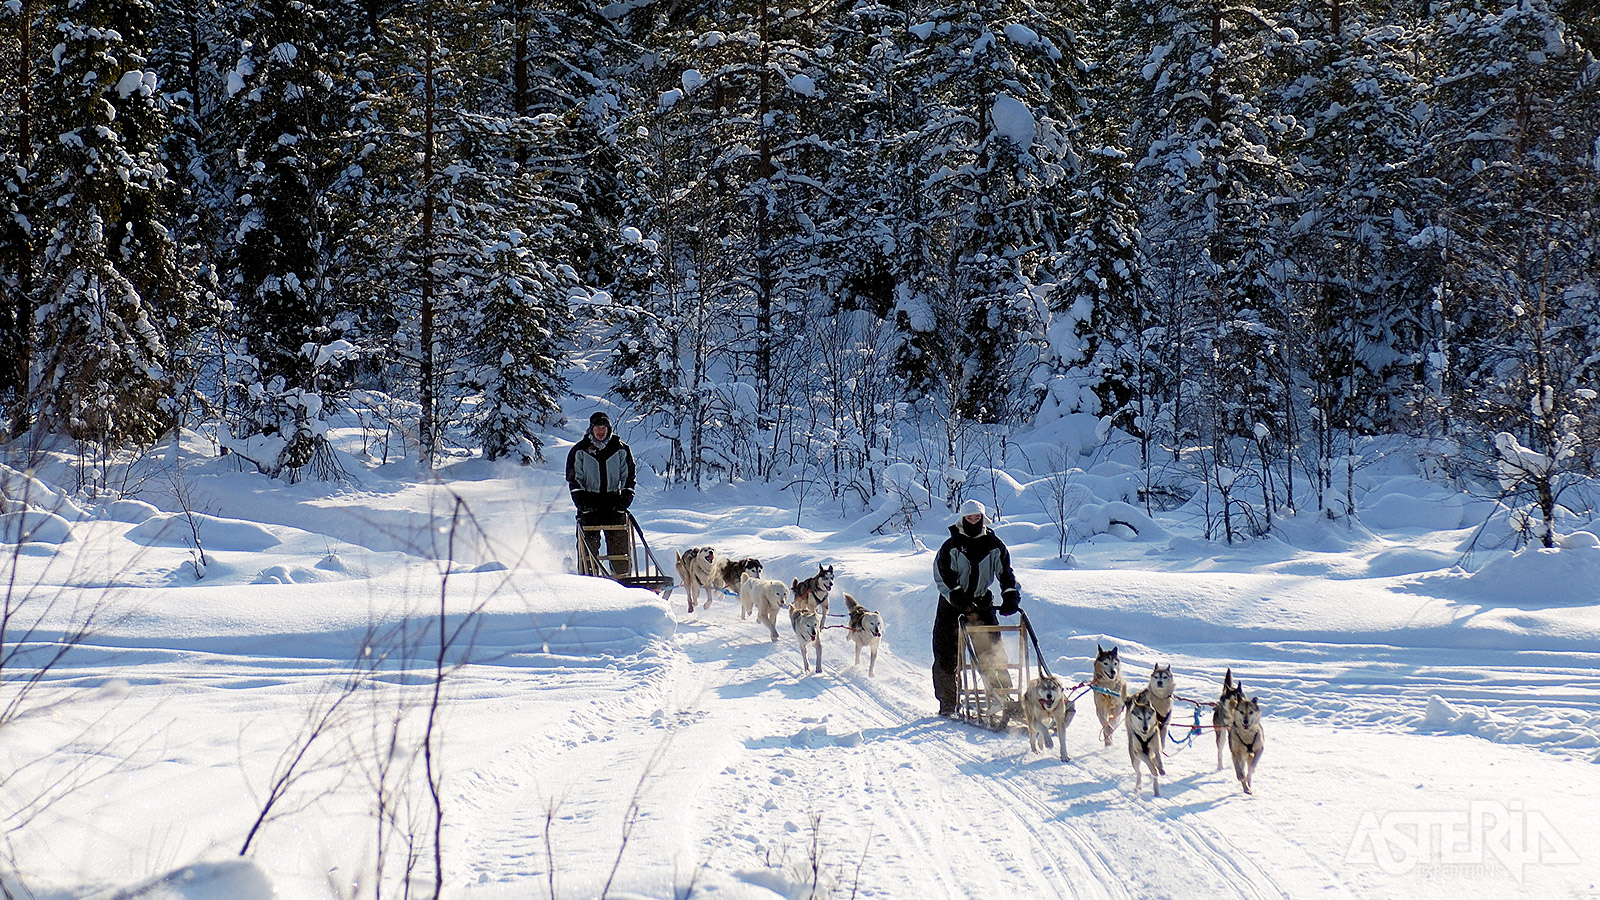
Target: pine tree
(434, 218)
(1211, 154)
(993, 155)
(1516, 112)
(283, 103)
(97, 368)
(18, 26)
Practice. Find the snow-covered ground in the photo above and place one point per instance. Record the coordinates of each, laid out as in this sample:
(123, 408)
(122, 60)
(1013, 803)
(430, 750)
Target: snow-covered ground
(1430, 733)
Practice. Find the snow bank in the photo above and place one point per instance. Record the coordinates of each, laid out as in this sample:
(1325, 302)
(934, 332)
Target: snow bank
(215, 533)
(233, 879)
(1411, 503)
(1559, 576)
(34, 526)
(130, 511)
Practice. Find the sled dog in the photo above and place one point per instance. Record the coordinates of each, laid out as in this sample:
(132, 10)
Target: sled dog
(1159, 694)
(765, 597)
(807, 621)
(866, 630)
(1246, 739)
(726, 574)
(1222, 713)
(1144, 741)
(694, 572)
(1047, 710)
(1108, 678)
(814, 589)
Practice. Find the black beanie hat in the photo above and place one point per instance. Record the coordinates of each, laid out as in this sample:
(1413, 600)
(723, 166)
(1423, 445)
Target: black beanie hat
(599, 418)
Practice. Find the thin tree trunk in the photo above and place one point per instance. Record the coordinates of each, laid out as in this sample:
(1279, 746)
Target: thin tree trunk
(427, 425)
(22, 337)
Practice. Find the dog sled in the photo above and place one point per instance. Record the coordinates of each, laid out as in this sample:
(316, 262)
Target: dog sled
(990, 678)
(628, 559)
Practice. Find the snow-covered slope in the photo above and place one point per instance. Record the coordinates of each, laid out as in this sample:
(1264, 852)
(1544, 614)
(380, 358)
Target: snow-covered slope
(1429, 733)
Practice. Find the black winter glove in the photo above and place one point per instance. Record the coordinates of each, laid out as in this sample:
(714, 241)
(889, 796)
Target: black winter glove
(961, 600)
(583, 500)
(625, 499)
(1010, 602)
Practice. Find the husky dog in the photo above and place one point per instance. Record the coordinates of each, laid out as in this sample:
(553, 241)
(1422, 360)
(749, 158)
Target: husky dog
(765, 597)
(807, 621)
(1144, 741)
(866, 630)
(1046, 709)
(1108, 677)
(815, 589)
(694, 572)
(726, 574)
(1159, 694)
(1246, 739)
(1222, 713)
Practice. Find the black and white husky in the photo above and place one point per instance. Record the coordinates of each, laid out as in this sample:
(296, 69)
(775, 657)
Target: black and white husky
(814, 590)
(1246, 739)
(1109, 689)
(1144, 741)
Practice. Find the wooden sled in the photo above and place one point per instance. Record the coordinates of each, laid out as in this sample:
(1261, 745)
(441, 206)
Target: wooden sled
(635, 566)
(977, 703)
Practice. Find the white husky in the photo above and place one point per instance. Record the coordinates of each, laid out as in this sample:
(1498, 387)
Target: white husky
(764, 597)
(866, 630)
(1048, 711)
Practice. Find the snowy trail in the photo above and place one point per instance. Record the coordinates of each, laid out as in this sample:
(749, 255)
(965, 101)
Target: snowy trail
(587, 711)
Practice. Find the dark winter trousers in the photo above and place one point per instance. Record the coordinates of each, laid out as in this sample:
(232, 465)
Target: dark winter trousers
(946, 649)
(616, 541)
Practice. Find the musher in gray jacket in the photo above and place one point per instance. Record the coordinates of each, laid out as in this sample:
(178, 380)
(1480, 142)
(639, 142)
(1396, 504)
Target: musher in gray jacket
(967, 563)
(601, 475)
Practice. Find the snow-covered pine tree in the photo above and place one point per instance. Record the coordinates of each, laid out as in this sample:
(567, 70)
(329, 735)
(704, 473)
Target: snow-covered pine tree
(97, 367)
(1517, 114)
(1358, 302)
(431, 215)
(1210, 152)
(993, 156)
(283, 104)
(18, 25)
(1098, 313)
(513, 354)
(188, 52)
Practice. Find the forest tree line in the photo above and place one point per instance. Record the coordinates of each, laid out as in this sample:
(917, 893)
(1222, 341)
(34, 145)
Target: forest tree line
(1244, 234)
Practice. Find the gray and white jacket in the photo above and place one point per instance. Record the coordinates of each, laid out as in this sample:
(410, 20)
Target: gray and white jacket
(970, 563)
(599, 468)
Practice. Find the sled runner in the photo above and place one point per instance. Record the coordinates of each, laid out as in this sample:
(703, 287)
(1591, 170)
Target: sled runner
(634, 566)
(989, 683)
